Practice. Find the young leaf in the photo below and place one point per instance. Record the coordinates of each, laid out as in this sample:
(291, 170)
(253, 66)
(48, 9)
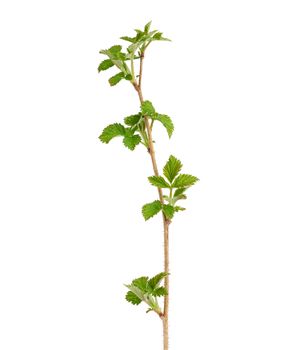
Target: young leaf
(155, 281)
(167, 198)
(147, 27)
(128, 76)
(177, 208)
(141, 283)
(168, 210)
(158, 36)
(160, 292)
(127, 38)
(184, 180)
(158, 181)
(115, 49)
(179, 191)
(179, 194)
(131, 141)
(172, 168)
(133, 298)
(151, 209)
(104, 65)
(112, 131)
(132, 120)
(116, 79)
(147, 108)
(166, 121)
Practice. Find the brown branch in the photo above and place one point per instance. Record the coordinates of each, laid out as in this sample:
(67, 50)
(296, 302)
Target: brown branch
(166, 222)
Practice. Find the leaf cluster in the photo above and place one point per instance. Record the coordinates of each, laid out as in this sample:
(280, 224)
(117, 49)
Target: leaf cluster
(134, 131)
(176, 183)
(118, 57)
(147, 290)
(143, 38)
(130, 138)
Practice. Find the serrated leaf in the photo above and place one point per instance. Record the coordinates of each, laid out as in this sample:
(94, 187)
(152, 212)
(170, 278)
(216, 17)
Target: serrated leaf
(166, 121)
(131, 141)
(141, 283)
(172, 168)
(158, 181)
(132, 120)
(155, 281)
(184, 180)
(112, 131)
(177, 208)
(168, 210)
(104, 65)
(133, 298)
(159, 292)
(147, 108)
(116, 78)
(151, 209)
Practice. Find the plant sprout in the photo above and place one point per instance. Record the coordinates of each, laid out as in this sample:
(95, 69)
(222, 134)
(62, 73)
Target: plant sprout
(172, 185)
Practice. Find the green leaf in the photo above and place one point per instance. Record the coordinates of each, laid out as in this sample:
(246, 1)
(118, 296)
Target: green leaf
(179, 194)
(131, 141)
(147, 108)
(115, 49)
(141, 283)
(168, 210)
(158, 181)
(127, 38)
(172, 168)
(116, 79)
(167, 198)
(177, 198)
(159, 36)
(159, 292)
(113, 52)
(155, 281)
(151, 209)
(133, 298)
(104, 65)
(166, 121)
(139, 35)
(128, 77)
(177, 208)
(132, 120)
(184, 180)
(179, 191)
(147, 27)
(112, 131)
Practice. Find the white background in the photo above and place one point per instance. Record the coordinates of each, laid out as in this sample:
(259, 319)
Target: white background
(71, 228)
